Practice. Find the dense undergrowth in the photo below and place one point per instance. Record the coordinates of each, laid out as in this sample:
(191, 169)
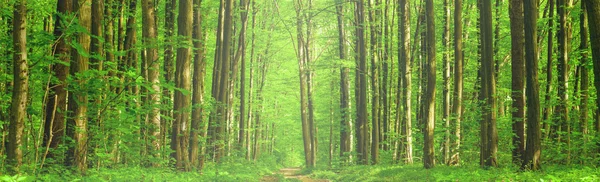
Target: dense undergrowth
(229, 170)
(460, 173)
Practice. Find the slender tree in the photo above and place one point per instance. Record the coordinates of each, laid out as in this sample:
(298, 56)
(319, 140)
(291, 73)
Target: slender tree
(181, 103)
(199, 124)
(404, 65)
(346, 121)
(150, 35)
(593, 12)
(446, 76)
(20, 87)
(584, 61)
(56, 107)
(489, 133)
(361, 126)
(429, 96)
(78, 119)
(457, 105)
(518, 86)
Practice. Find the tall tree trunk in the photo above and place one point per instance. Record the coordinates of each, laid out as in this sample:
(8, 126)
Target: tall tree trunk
(593, 10)
(533, 147)
(167, 96)
(518, 87)
(241, 54)
(248, 134)
(150, 36)
(405, 74)
(56, 108)
(583, 47)
(429, 96)
(457, 106)
(180, 133)
(20, 87)
(489, 133)
(346, 121)
(374, 74)
(362, 127)
(550, 50)
(77, 121)
(563, 75)
(199, 124)
(446, 76)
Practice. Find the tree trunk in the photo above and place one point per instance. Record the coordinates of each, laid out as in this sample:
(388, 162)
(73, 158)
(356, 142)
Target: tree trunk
(446, 76)
(20, 87)
(404, 65)
(374, 74)
(457, 106)
(77, 121)
(241, 54)
(593, 10)
(180, 133)
(362, 127)
(533, 147)
(583, 46)
(547, 99)
(489, 133)
(150, 35)
(563, 75)
(54, 124)
(429, 96)
(199, 123)
(518, 87)
(346, 121)
(167, 96)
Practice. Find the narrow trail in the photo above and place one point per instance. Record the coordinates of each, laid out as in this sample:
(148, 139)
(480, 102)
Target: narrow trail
(291, 174)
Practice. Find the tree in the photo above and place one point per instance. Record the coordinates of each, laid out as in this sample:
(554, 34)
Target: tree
(429, 96)
(20, 87)
(446, 76)
(404, 66)
(518, 87)
(457, 106)
(583, 46)
(593, 12)
(489, 134)
(345, 104)
(54, 124)
(199, 124)
(78, 119)
(361, 84)
(374, 74)
(180, 133)
(241, 54)
(150, 35)
(562, 109)
(533, 147)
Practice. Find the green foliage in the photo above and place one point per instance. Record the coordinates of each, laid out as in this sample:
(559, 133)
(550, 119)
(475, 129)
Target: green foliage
(458, 173)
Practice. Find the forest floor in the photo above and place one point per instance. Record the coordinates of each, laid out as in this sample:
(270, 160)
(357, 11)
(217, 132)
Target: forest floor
(290, 174)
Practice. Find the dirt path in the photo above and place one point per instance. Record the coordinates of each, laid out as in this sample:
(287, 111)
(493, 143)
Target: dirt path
(291, 173)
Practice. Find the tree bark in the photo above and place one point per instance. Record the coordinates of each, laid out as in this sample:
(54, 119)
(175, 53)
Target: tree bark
(374, 74)
(489, 133)
(346, 121)
(77, 121)
(199, 124)
(532, 159)
(429, 96)
(584, 61)
(150, 36)
(180, 133)
(518, 87)
(550, 50)
(457, 106)
(404, 65)
(54, 124)
(362, 127)
(593, 10)
(446, 76)
(20, 91)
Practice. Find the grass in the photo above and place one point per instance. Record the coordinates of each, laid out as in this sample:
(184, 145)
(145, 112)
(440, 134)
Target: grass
(459, 173)
(233, 170)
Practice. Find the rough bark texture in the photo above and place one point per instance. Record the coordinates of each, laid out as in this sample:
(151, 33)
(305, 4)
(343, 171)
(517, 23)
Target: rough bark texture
(518, 85)
(374, 75)
(429, 96)
(533, 147)
(14, 154)
(583, 46)
(562, 111)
